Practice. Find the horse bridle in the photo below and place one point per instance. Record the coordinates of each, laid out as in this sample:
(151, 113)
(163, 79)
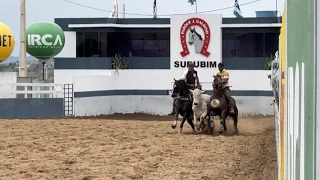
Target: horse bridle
(180, 97)
(217, 85)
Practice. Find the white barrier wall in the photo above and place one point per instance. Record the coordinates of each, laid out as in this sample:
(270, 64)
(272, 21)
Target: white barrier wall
(162, 79)
(109, 80)
(6, 81)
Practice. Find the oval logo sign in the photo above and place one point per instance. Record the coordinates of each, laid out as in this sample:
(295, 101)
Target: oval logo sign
(7, 42)
(189, 33)
(45, 40)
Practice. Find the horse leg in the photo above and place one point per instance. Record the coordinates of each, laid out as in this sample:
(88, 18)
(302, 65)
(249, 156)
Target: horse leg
(235, 119)
(211, 124)
(201, 123)
(189, 119)
(183, 120)
(176, 113)
(223, 116)
(235, 123)
(207, 125)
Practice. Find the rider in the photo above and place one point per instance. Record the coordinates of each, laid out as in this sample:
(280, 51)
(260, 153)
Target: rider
(190, 76)
(226, 90)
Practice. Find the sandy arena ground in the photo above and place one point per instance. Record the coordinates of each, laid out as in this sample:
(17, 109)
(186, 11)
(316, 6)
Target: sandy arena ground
(103, 148)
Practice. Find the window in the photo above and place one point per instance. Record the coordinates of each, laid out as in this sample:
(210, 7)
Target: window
(91, 45)
(103, 44)
(123, 40)
(229, 44)
(249, 45)
(88, 44)
(271, 43)
(164, 44)
(145, 45)
(95, 44)
(112, 44)
(80, 44)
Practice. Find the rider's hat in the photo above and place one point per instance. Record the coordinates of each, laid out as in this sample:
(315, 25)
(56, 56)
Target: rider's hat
(221, 65)
(190, 64)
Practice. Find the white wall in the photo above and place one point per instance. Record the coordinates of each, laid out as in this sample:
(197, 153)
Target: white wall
(70, 47)
(6, 79)
(156, 79)
(161, 105)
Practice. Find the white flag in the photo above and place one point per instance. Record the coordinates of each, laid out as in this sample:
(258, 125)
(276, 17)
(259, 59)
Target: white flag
(114, 12)
(237, 11)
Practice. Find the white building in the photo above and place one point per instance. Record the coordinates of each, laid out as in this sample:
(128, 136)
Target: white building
(154, 50)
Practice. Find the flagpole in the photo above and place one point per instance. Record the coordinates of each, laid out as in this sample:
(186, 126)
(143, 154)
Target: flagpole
(196, 5)
(117, 9)
(276, 8)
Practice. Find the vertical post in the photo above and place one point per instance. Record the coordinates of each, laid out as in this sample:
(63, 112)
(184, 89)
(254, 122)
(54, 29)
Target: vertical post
(46, 68)
(317, 85)
(23, 58)
(124, 11)
(43, 70)
(196, 6)
(276, 8)
(117, 9)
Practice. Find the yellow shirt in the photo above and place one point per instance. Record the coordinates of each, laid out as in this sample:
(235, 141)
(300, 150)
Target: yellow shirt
(224, 74)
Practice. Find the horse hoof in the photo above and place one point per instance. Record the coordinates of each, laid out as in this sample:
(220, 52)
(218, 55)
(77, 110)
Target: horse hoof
(220, 132)
(173, 126)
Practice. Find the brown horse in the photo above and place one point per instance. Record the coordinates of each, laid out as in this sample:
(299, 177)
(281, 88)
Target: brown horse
(219, 106)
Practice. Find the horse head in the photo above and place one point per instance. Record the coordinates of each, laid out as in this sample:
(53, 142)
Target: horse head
(217, 85)
(191, 35)
(179, 87)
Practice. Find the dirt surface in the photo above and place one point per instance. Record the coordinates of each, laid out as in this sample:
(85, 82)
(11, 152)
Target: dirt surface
(86, 149)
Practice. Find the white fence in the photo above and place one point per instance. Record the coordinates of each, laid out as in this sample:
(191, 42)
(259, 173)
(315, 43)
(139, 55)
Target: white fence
(31, 90)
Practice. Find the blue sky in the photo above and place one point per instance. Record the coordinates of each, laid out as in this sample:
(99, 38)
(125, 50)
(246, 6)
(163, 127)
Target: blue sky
(47, 10)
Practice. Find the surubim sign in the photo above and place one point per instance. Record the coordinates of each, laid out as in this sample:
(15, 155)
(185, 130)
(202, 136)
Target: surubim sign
(195, 38)
(7, 42)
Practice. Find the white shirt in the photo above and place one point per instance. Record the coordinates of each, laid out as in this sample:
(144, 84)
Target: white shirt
(184, 75)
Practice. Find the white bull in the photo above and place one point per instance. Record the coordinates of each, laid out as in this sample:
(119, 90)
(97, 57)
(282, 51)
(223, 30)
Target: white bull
(199, 106)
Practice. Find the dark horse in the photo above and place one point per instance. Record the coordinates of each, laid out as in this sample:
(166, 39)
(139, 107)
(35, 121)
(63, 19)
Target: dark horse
(220, 107)
(183, 103)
